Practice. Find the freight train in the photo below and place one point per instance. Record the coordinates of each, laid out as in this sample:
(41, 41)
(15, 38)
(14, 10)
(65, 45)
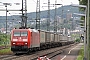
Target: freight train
(26, 40)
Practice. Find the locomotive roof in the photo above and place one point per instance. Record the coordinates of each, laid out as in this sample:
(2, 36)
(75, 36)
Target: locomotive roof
(34, 30)
(20, 29)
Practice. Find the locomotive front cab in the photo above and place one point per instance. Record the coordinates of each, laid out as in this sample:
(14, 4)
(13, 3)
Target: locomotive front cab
(19, 40)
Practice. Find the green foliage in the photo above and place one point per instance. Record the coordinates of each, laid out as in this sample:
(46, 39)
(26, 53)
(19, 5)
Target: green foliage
(77, 40)
(83, 2)
(82, 22)
(81, 54)
(3, 39)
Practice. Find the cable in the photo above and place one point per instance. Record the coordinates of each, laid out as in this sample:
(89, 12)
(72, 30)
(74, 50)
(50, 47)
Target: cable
(13, 17)
(34, 1)
(41, 7)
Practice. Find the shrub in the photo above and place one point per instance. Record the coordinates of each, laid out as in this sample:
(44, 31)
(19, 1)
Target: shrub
(77, 40)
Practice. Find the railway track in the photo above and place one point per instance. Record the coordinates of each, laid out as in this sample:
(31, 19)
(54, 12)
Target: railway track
(34, 55)
(53, 52)
(10, 57)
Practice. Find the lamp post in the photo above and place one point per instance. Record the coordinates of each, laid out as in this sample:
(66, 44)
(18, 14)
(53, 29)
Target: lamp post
(6, 21)
(85, 41)
(6, 4)
(6, 17)
(88, 30)
(85, 33)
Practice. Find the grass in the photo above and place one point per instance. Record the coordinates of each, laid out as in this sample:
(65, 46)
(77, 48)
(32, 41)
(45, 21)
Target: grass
(4, 45)
(81, 54)
(5, 51)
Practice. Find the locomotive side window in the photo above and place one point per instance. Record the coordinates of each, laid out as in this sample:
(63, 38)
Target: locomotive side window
(24, 33)
(16, 33)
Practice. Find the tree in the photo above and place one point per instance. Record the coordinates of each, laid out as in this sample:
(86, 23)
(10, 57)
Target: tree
(83, 2)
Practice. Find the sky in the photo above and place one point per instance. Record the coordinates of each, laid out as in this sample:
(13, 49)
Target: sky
(31, 5)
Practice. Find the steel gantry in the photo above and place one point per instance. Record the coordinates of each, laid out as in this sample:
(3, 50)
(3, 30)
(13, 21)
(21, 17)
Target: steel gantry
(38, 15)
(24, 14)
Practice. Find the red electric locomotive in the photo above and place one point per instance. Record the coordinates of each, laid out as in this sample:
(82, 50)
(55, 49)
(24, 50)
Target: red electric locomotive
(23, 40)
(26, 40)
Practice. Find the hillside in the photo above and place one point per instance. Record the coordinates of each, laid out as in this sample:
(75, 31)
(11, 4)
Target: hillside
(43, 14)
(52, 12)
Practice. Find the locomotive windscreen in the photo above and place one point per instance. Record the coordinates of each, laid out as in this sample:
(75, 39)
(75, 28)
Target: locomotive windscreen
(16, 33)
(24, 33)
(20, 33)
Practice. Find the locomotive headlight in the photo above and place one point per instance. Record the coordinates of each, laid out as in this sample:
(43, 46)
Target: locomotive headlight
(13, 43)
(15, 40)
(26, 43)
(24, 39)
